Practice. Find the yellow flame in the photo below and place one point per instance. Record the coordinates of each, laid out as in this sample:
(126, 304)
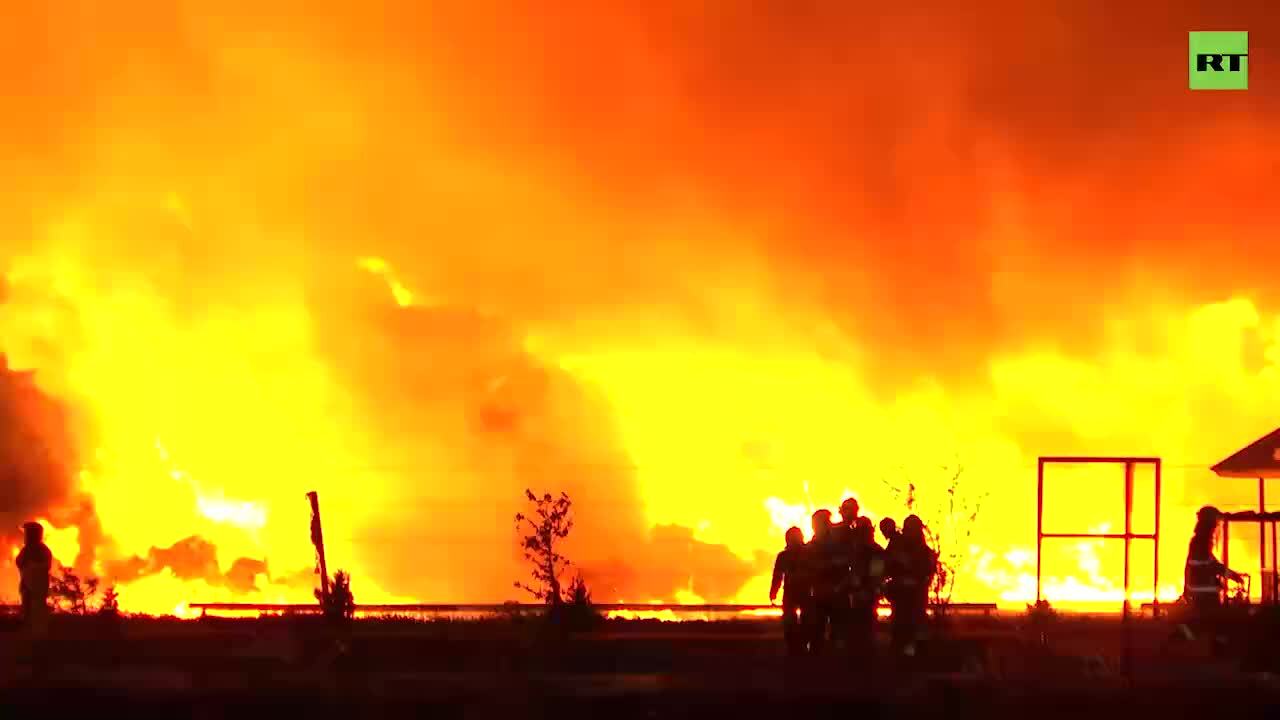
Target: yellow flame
(178, 207)
(140, 368)
(402, 295)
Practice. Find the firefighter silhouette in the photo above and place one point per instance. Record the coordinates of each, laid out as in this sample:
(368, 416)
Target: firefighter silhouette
(849, 512)
(789, 575)
(34, 562)
(1203, 578)
(825, 563)
(889, 529)
(844, 542)
(867, 569)
(911, 567)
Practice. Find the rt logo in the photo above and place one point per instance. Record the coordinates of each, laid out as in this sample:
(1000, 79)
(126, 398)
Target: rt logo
(1219, 61)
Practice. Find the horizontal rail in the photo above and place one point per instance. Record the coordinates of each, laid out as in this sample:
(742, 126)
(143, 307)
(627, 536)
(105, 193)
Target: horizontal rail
(604, 607)
(1248, 516)
(1099, 536)
(985, 608)
(1101, 460)
(1157, 609)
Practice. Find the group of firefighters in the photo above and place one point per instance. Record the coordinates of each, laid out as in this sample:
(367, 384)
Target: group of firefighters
(832, 584)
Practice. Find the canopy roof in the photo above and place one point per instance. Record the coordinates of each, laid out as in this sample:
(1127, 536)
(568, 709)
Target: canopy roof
(1261, 459)
(1252, 516)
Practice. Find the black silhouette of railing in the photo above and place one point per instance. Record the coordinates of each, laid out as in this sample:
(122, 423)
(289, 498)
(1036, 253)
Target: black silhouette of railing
(983, 608)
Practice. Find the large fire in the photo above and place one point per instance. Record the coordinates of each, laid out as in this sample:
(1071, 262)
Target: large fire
(422, 263)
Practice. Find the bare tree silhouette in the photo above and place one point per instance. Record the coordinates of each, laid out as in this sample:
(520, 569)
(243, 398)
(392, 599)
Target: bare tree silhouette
(548, 522)
(949, 526)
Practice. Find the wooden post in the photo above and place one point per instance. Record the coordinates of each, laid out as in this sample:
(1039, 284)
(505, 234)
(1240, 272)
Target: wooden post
(317, 539)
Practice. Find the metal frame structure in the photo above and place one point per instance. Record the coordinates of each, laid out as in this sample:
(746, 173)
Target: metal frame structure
(1127, 536)
(1258, 460)
(1270, 582)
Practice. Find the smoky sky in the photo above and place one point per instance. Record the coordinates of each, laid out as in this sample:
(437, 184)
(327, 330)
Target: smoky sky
(940, 178)
(910, 171)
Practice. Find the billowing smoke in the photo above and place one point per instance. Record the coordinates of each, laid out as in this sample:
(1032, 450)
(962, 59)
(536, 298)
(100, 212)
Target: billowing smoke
(190, 559)
(38, 456)
(470, 419)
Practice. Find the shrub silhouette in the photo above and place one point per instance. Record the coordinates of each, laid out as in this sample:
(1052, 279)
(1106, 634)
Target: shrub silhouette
(339, 604)
(577, 612)
(110, 604)
(69, 593)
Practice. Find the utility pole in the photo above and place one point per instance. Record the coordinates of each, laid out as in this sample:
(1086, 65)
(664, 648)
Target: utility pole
(317, 539)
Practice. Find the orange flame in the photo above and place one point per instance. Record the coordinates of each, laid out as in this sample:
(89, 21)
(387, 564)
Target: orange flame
(753, 313)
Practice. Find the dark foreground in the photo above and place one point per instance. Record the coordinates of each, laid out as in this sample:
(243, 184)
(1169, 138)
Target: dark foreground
(385, 669)
(631, 697)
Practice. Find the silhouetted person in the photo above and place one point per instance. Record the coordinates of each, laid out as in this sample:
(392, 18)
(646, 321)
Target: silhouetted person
(867, 571)
(1203, 578)
(789, 575)
(35, 562)
(889, 529)
(824, 565)
(848, 513)
(911, 567)
(844, 545)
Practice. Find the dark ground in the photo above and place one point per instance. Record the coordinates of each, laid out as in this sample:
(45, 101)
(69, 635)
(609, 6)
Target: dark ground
(625, 669)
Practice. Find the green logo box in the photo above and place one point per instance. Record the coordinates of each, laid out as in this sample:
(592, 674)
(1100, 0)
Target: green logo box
(1219, 61)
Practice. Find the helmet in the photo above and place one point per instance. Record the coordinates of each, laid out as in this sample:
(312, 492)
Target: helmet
(1208, 512)
(865, 531)
(794, 536)
(912, 523)
(821, 521)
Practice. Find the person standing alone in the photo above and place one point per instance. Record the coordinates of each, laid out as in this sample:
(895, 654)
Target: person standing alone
(789, 575)
(1203, 577)
(35, 562)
